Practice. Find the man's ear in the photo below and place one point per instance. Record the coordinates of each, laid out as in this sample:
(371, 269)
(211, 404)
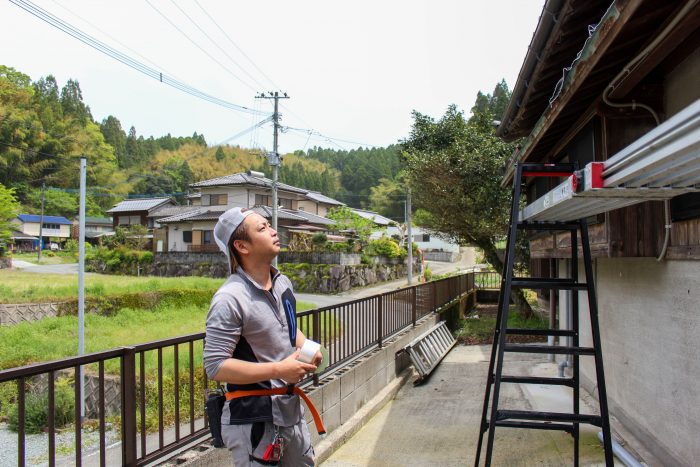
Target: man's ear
(241, 246)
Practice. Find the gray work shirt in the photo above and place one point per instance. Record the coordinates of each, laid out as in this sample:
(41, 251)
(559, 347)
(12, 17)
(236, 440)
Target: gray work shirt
(246, 321)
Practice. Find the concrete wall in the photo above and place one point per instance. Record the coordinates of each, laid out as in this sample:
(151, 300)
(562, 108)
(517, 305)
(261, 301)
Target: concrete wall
(650, 327)
(15, 313)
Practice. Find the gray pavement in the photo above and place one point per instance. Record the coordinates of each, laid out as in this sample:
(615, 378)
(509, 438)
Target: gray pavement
(70, 268)
(437, 423)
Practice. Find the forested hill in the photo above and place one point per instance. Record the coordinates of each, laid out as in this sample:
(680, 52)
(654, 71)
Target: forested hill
(46, 128)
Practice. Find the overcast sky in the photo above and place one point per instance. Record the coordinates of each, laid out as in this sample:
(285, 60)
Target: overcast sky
(354, 70)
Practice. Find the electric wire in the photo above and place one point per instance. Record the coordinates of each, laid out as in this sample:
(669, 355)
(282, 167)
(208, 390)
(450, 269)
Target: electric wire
(184, 34)
(203, 31)
(100, 46)
(236, 45)
(101, 31)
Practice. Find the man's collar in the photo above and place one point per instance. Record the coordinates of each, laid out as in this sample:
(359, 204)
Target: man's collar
(274, 273)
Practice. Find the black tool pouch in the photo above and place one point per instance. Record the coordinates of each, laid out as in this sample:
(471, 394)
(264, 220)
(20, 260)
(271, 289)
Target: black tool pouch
(214, 408)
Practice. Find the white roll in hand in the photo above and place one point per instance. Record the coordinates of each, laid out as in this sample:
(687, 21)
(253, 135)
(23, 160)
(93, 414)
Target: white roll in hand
(309, 351)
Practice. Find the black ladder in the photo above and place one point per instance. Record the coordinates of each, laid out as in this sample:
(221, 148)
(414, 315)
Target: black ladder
(568, 422)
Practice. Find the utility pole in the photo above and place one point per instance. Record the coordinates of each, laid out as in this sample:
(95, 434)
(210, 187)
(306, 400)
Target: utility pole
(273, 158)
(409, 244)
(41, 223)
(81, 278)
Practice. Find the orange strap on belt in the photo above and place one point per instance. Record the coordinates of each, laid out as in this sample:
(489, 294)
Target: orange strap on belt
(281, 391)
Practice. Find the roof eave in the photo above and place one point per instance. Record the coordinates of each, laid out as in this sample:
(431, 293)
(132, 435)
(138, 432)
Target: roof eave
(545, 25)
(609, 27)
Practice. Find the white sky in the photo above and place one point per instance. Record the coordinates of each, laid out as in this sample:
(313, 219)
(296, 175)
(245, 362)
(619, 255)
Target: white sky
(354, 70)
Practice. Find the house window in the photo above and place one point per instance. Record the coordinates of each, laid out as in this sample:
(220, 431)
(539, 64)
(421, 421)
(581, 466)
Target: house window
(424, 238)
(215, 200)
(286, 203)
(263, 200)
(129, 220)
(51, 226)
(187, 236)
(302, 208)
(207, 237)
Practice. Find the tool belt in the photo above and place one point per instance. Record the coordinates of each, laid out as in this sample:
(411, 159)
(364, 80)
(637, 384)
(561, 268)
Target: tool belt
(289, 390)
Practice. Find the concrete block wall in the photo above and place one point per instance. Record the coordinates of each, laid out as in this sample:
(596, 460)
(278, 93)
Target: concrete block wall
(11, 314)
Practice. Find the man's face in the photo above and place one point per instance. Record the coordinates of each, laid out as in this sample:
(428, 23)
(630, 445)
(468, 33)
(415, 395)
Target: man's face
(264, 242)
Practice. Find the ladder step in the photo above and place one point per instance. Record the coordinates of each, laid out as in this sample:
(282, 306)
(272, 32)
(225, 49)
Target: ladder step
(540, 332)
(569, 428)
(547, 283)
(555, 349)
(551, 226)
(548, 416)
(538, 380)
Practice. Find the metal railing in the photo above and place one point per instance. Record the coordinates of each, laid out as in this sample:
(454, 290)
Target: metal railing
(161, 384)
(487, 280)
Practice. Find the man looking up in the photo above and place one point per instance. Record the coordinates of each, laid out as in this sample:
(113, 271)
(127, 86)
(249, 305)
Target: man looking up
(252, 344)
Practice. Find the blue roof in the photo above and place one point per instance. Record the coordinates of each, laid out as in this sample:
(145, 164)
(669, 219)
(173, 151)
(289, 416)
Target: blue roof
(47, 219)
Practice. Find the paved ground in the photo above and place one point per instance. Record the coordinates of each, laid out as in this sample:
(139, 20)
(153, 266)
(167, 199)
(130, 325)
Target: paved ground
(70, 268)
(437, 423)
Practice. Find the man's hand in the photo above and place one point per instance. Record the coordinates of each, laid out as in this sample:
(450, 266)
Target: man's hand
(318, 358)
(292, 370)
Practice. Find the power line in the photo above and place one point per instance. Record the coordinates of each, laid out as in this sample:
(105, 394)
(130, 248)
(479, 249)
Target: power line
(328, 138)
(60, 5)
(214, 59)
(85, 38)
(236, 45)
(215, 43)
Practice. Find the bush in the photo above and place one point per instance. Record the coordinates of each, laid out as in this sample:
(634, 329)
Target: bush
(384, 246)
(365, 259)
(36, 413)
(319, 240)
(119, 259)
(428, 274)
(338, 247)
(71, 246)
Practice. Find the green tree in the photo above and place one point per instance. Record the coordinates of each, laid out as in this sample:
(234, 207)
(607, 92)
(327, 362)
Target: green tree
(72, 102)
(56, 202)
(220, 155)
(9, 208)
(115, 136)
(133, 149)
(347, 220)
(454, 166)
(388, 198)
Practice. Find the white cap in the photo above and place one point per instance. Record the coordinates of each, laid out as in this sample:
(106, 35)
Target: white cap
(225, 227)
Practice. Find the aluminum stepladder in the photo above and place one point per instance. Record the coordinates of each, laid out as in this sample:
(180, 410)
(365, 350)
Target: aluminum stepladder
(427, 350)
(568, 422)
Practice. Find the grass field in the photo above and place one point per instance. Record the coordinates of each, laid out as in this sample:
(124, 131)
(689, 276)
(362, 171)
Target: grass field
(54, 338)
(19, 287)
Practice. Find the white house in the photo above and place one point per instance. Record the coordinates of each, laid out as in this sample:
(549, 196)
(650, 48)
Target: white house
(190, 228)
(55, 228)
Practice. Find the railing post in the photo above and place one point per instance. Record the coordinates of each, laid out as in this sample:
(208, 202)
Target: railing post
(434, 292)
(414, 305)
(128, 384)
(380, 319)
(316, 324)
